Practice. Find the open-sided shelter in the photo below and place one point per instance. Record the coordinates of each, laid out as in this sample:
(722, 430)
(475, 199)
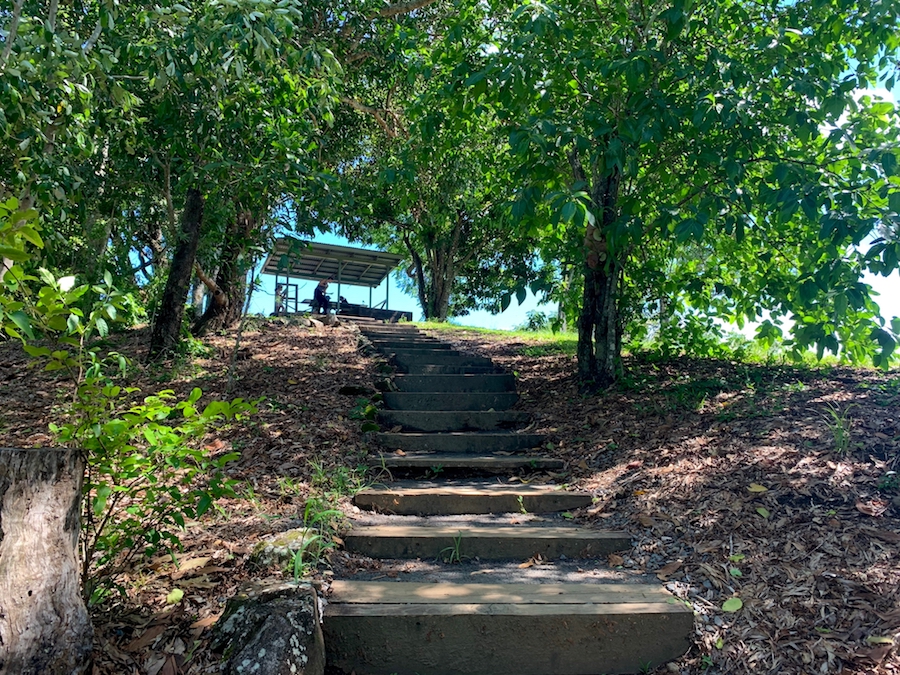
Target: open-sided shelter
(294, 259)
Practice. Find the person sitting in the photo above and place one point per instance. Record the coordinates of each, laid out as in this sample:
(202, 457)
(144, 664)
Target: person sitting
(321, 302)
(280, 297)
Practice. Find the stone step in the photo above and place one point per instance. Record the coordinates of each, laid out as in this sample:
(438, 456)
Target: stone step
(388, 348)
(431, 369)
(405, 358)
(452, 383)
(404, 400)
(403, 337)
(452, 420)
(437, 461)
(408, 343)
(509, 542)
(458, 497)
(461, 441)
(502, 629)
(390, 330)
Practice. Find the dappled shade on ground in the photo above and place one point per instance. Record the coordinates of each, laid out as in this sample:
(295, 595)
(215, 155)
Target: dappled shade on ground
(726, 475)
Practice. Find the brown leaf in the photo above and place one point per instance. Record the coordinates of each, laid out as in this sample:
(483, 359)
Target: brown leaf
(399, 453)
(873, 656)
(169, 667)
(666, 571)
(645, 520)
(710, 546)
(873, 507)
(146, 639)
(214, 569)
(884, 535)
(186, 567)
(615, 560)
(199, 582)
(528, 563)
(206, 621)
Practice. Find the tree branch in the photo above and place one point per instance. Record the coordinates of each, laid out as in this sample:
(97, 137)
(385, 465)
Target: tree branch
(11, 36)
(209, 283)
(374, 112)
(577, 169)
(404, 7)
(92, 40)
(52, 11)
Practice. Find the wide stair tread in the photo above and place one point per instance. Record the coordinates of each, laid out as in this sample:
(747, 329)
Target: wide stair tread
(453, 420)
(502, 629)
(430, 400)
(456, 497)
(488, 382)
(506, 542)
(461, 441)
(473, 462)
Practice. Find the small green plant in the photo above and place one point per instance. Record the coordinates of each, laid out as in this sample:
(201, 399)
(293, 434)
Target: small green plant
(146, 470)
(434, 471)
(890, 482)
(840, 425)
(521, 501)
(319, 515)
(301, 565)
(338, 481)
(288, 487)
(451, 554)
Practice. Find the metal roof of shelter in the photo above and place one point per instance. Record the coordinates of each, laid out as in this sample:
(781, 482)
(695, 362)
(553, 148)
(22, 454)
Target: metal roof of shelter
(309, 260)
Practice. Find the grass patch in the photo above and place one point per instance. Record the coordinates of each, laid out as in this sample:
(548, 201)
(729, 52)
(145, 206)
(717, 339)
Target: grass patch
(540, 343)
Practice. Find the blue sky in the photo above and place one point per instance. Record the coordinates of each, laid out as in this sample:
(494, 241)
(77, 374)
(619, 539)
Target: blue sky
(263, 302)
(888, 288)
(264, 299)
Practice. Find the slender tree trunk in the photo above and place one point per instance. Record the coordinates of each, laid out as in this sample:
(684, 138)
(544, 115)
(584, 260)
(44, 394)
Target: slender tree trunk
(224, 308)
(599, 334)
(167, 327)
(44, 625)
(441, 288)
(599, 330)
(419, 272)
(198, 295)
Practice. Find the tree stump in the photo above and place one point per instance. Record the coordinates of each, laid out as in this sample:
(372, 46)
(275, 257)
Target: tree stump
(44, 626)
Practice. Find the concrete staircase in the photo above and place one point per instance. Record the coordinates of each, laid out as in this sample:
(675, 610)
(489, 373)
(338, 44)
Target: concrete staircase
(451, 412)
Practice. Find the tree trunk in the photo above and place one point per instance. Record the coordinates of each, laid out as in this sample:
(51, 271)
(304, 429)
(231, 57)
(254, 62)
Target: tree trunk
(441, 287)
(44, 625)
(167, 327)
(435, 295)
(599, 334)
(198, 295)
(599, 330)
(227, 301)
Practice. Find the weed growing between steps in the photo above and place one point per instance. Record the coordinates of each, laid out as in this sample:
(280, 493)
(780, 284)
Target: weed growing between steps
(323, 517)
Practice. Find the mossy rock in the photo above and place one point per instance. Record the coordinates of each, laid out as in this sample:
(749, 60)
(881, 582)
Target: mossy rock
(279, 549)
(271, 628)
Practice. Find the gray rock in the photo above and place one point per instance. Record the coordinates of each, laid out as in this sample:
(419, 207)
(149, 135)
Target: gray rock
(279, 549)
(271, 629)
